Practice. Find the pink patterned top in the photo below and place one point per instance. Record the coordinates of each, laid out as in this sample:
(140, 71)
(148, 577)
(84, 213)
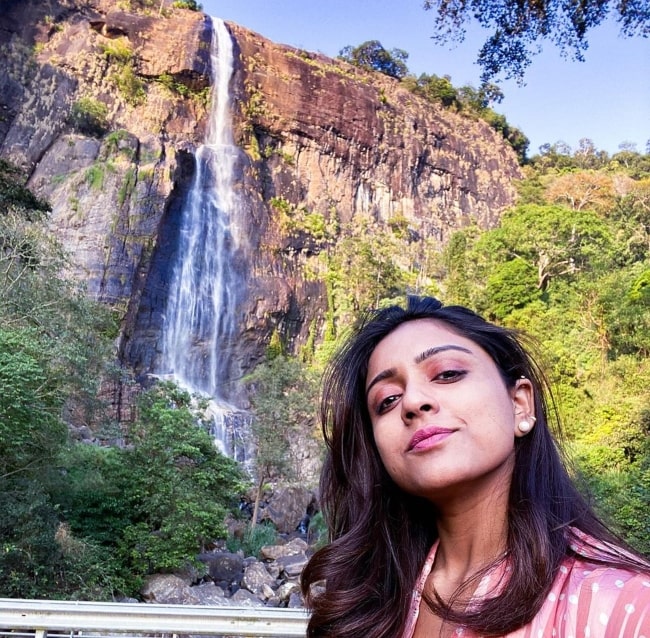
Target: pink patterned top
(586, 600)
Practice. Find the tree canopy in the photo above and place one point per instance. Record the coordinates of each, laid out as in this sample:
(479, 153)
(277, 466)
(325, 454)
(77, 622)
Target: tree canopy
(373, 56)
(518, 27)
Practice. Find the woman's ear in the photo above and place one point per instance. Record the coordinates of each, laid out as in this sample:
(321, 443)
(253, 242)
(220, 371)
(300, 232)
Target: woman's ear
(523, 399)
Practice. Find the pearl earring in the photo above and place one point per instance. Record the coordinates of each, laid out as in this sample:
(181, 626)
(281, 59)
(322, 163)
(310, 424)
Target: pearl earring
(525, 425)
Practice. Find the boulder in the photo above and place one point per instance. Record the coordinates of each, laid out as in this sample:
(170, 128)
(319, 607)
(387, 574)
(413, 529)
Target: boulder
(267, 592)
(285, 590)
(292, 566)
(210, 594)
(287, 507)
(256, 577)
(245, 598)
(293, 547)
(168, 589)
(223, 566)
(296, 601)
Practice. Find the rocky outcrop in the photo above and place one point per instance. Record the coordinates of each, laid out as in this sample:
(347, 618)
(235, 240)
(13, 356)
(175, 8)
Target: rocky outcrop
(271, 580)
(104, 109)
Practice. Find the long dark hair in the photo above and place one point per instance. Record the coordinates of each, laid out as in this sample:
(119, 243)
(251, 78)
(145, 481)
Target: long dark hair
(361, 583)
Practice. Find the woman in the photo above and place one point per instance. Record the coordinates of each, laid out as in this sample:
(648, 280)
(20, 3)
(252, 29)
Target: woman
(450, 509)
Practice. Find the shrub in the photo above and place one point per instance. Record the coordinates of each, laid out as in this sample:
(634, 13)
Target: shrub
(89, 116)
(118, 50)
(187, 4)
(130, 85)
(254, 539)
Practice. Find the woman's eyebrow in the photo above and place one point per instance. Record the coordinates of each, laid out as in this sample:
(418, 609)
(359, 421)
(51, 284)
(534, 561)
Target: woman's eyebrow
(386, 374)
(431, 352)
(423, 356)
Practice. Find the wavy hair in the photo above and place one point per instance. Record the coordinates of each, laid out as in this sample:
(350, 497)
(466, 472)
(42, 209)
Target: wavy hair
(361, 583)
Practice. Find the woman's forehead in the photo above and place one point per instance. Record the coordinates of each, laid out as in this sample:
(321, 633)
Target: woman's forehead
(412, 339)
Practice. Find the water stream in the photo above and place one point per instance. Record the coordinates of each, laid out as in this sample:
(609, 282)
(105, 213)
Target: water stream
(201, 313)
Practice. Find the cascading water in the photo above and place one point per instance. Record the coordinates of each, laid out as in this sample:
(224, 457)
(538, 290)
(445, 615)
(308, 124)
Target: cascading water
(200, 317)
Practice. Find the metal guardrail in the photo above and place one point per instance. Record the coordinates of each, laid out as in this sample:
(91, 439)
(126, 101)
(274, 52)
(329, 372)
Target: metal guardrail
(42, 618)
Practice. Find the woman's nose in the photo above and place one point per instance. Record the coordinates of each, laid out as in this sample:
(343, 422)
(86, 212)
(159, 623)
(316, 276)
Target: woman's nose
(417, 400)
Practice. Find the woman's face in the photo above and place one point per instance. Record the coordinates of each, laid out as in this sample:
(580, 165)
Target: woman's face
(443, 420)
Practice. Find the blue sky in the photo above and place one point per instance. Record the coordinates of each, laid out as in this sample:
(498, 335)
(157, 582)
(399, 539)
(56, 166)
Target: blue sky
(606, 98)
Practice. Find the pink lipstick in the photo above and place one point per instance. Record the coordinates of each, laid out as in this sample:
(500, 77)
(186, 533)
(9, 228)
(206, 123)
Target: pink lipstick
(428, 437)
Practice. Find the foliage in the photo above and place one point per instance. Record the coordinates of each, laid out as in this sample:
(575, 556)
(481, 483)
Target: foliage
(14, 196)
(187, 4)
(372, 56)
(153, 505)
(39, 558)
(292, 221)
(89, 116)
(30, 428)
(255, 537)
(53, 350)
(364, 269)
(559, 157)
(283, 392)
(518, 28)
(554, 241)
(624, 301)
(55, 329)
(118, 50)
(94, 176)
(183, 486)
(575, 275)
(171, 84)
(584, 189)
(511, 134)
(435, 89)
(130, 85)
(511, 285)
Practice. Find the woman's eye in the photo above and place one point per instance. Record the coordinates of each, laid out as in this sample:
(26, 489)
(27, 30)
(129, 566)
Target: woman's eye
(386, 403)
(447, 376)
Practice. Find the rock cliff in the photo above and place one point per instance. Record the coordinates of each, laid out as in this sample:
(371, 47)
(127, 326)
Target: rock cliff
(104, 108)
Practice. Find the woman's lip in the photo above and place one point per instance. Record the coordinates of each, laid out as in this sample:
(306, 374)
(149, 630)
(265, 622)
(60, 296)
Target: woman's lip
(428, 437)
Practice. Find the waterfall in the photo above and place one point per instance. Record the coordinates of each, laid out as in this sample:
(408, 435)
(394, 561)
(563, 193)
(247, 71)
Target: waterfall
(201, 312)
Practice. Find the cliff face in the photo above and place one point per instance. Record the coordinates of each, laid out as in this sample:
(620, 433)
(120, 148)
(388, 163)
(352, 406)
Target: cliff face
(104, 109)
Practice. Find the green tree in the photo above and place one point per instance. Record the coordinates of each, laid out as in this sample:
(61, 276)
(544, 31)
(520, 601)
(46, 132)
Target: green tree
(372, 56)
(31, 430)
(154, 504)
(511, 285)
(630, 161)
(624, 297)
(517, 28)
(284, 403)
(435, 89)
(367, 266)
(458, 279)
(38, 558)
(556, 241)
(181, 486)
